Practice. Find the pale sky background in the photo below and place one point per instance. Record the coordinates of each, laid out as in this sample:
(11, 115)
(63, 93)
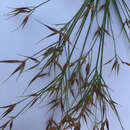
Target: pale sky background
(23, 42)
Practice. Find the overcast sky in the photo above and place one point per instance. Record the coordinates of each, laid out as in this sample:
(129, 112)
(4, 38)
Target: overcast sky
(23, 42)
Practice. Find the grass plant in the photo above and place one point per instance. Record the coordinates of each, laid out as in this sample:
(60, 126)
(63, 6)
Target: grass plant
(78, 88)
